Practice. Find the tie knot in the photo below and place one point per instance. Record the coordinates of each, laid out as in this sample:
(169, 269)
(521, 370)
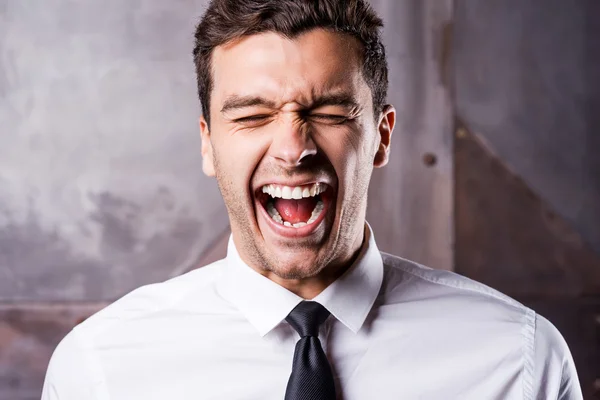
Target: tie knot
(306, 318)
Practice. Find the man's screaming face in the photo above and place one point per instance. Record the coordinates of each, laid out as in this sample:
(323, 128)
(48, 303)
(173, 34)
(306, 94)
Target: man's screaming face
(293, 141)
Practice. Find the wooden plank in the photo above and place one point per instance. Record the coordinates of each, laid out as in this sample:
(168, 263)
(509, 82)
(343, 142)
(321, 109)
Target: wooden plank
(527, 78)
(509, 238)
(410, 200)
(29, 334)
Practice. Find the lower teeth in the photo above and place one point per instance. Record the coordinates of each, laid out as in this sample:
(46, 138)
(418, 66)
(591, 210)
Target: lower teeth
(274, 214)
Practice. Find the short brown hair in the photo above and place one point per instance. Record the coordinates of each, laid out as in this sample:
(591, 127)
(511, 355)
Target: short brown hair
(226, 20)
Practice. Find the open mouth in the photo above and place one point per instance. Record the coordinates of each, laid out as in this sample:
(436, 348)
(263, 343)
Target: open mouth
(300, 208)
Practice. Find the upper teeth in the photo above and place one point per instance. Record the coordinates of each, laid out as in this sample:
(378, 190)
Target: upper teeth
(294, 192)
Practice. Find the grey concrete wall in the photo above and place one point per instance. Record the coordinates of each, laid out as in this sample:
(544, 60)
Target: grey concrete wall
(101, 187)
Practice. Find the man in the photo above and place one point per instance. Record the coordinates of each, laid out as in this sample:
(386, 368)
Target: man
(304, 306)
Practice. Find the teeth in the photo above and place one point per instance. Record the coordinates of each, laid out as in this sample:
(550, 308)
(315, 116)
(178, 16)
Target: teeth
(316, 212)
(272, 211)
(297, 193)
(286, 192)
(294, 192)
(274, 214)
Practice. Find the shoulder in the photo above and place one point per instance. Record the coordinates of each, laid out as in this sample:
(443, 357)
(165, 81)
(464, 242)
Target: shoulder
(70, 374)
(484, 315)
(149, 299)
(404, 278)
(75, 370)
(144, 307)
(444, 301)
(140, 318)
(555, 375)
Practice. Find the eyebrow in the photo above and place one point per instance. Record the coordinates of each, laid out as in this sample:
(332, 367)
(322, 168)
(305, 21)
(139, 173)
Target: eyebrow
(335, 99)
(235, 102)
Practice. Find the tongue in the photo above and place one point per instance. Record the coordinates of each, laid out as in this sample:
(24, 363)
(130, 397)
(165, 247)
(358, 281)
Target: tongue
(295, 211)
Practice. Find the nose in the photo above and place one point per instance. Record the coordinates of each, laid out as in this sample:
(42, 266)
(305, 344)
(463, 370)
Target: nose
(292, 144)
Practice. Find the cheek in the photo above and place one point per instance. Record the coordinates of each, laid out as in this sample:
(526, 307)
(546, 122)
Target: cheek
(348, 151)
(238, 154)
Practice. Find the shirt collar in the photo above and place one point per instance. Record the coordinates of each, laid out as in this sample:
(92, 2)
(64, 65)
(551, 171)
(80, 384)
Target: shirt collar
(265, 304)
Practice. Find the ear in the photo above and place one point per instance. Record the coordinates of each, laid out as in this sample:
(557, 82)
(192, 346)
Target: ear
(208, 165)
(387, 120)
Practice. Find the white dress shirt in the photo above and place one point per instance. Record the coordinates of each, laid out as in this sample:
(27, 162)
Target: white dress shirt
(397, 330)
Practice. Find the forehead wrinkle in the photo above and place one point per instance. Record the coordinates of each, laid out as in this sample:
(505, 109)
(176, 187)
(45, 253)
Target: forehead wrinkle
(344, 98)
(318, 96)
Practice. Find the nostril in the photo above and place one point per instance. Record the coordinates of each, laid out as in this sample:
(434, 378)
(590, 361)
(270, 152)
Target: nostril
(306, 154)
(296, 158)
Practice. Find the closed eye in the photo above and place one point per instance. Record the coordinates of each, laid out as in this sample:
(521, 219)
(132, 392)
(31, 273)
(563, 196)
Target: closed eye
(329, 118)
(252, 118)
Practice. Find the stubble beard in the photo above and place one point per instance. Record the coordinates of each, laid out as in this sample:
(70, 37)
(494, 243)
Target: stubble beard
(257, 254)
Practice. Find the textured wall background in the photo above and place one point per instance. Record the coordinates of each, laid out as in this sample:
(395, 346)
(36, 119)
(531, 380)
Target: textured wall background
(528, 81)
(100, 182)
(410, 200)
(101, 188)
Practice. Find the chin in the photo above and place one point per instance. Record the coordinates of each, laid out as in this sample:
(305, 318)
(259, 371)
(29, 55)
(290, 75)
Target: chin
(296, 272)
(296, 264)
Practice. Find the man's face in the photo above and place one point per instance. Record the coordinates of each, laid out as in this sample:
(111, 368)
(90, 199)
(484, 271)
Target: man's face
(293, 142)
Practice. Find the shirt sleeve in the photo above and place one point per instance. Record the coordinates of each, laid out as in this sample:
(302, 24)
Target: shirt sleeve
(555, 376)
(69, 375)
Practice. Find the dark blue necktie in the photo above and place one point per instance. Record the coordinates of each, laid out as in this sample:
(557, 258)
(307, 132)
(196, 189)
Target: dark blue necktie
(311, 377)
